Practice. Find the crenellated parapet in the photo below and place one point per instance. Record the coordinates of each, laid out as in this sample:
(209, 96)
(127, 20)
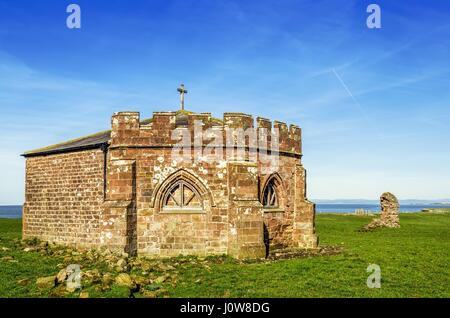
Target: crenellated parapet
(166, 129)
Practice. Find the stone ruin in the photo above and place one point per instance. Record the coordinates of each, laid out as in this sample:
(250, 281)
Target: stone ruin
(389, 213)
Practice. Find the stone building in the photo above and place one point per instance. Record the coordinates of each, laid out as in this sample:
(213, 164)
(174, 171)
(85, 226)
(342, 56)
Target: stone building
(124, 190)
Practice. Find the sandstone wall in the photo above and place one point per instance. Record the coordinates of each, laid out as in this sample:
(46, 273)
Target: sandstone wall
(64, 196)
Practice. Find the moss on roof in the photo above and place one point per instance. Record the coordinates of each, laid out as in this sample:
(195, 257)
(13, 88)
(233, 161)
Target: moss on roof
(217, 120)
(184, 112)
(146, 121)
(187, 112)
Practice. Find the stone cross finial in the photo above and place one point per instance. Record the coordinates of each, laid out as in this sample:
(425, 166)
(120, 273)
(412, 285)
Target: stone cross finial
(182, 91)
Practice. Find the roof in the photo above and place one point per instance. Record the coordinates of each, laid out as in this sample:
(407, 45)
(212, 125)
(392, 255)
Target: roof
(93, 141)
(87, 142)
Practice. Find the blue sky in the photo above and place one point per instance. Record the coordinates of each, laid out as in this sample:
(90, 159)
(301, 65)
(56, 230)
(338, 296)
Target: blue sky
(374, 104)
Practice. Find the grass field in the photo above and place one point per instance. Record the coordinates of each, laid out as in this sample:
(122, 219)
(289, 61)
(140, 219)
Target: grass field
(414, 262)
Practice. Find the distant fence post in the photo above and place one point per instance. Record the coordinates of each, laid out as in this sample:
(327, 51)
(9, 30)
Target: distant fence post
(362, 212)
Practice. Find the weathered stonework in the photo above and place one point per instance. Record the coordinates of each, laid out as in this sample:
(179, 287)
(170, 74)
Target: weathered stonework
(123, 191)
(389, 213)
(389, 209)
(64, 197)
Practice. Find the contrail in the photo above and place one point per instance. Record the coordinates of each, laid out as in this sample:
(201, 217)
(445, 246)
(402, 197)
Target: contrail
(361, 109)
(351, 95)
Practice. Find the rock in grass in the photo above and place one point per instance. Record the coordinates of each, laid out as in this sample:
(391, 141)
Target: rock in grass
(146, 267)
(121, 265)
(124, 280)
(71, 288)
(149, 294)
(122, 262)
(58, 292)
(62, 276)
(46, 282)
(107, 279)
(84, 294)
(161, 279)
(105, 252)
(141, 280)
(92, 276)
(102, 288)
(23, 282)
(162, 293)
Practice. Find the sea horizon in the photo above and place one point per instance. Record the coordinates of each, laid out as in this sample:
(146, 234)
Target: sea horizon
(15, 211)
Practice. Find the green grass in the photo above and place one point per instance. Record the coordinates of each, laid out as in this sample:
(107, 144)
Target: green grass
(414, 261)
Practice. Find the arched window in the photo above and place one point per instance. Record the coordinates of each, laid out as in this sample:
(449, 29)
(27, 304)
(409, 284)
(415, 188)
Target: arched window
(270, 197)
(182, 196)
(182, 192)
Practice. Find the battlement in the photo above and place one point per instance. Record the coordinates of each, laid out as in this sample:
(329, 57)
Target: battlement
(167, 128)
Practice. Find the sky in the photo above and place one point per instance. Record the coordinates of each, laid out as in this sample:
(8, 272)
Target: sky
(374, 104)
